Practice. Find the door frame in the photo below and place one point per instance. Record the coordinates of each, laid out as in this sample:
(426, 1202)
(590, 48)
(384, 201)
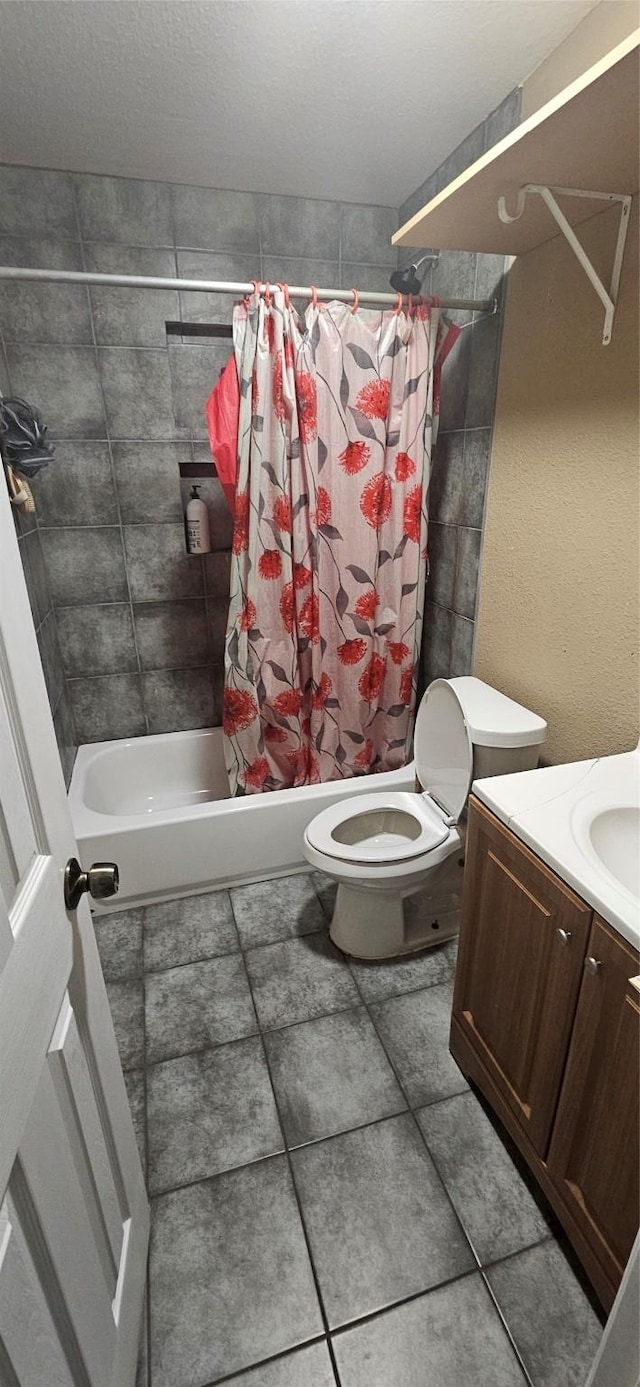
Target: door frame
(33, 737)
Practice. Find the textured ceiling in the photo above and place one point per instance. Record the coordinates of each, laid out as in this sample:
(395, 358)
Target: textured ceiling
(350, 99)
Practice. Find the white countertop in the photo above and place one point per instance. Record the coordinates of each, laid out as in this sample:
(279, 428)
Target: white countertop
(551, 810)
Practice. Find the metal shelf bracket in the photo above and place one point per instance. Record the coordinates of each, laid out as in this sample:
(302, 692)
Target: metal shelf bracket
(608, 297)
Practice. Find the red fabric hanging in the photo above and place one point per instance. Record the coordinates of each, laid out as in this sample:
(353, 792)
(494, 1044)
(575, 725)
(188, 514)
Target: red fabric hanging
(222, 410)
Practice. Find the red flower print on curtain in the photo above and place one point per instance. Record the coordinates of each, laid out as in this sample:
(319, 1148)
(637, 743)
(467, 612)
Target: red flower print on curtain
(354, 457)
(376, 501)
(307, 405)
(329, 544)
(412, 514)
(373, 399)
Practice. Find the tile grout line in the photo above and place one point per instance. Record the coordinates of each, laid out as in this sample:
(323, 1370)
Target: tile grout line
(361, 1319)
(65, 689)
(296, 1195)
(508, 1256)
(400, 1304)
(159, 350)
(390, 1118)
(203, 596)
(421, 1134)
(373, 1314)
(266, 1362)
(111, 461)
(178, 440)
(39, 628)
(274, 1031)
(144, 602)
(287, 1153)
(487, 1285)
(149, 669)
(64, 174)
(181, 308)
(289, 1025)
(479, 1266)
(301, 1146)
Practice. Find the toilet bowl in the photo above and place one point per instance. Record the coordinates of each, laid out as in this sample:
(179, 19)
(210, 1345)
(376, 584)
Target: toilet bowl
(381, 848)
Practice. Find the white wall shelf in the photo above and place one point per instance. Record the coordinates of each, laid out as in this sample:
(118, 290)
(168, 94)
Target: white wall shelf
(586, 137)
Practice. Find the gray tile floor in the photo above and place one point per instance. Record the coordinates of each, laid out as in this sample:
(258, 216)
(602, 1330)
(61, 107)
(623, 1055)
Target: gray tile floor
(331, 1204)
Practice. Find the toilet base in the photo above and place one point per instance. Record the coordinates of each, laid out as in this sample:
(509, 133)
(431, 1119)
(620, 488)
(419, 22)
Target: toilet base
(374, 924)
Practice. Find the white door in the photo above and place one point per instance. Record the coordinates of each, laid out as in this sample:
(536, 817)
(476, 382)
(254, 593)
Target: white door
(73, 1209)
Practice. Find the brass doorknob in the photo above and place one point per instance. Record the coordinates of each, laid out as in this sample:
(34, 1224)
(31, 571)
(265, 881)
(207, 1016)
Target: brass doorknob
(101, 881)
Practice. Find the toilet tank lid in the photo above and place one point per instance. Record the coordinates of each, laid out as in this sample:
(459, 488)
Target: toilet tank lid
(495, 720)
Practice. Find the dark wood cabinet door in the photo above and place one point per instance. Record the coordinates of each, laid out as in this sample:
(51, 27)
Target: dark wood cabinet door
(593, 1157)
(522, 944)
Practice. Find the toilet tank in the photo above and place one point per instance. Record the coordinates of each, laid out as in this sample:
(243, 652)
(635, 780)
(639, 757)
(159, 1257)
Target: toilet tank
(506, 737)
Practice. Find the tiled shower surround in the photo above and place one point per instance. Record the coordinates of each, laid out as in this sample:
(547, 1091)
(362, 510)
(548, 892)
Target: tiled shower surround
(461, 457)
(132, 629)
(134, 632)
(47, 636)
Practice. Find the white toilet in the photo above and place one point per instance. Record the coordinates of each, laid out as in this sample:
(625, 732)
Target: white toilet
(381, 848)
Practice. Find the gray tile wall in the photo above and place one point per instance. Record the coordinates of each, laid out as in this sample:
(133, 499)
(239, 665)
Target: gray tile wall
(45, 622)
(133, 628)
(461, 457)
(130, 628)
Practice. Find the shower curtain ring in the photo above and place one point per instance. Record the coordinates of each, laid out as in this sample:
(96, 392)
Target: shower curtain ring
(285, 290)
(314, 296)
(398, 307)
(356, 300)
(267, 294)
(256, 287)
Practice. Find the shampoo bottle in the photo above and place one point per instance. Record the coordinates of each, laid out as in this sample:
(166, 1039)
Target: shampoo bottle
(197, 524)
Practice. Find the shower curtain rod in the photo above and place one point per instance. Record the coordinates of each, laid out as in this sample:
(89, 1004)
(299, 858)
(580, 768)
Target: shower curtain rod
(222, 286)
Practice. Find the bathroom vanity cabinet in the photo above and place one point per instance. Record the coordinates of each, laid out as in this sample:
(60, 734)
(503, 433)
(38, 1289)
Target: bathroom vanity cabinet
(546, 1023)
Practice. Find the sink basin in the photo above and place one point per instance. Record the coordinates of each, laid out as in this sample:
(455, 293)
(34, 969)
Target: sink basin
(615, 839)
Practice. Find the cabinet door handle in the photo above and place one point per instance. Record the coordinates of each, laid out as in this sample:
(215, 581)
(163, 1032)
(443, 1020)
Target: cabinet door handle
(591, 965)
(564, 935)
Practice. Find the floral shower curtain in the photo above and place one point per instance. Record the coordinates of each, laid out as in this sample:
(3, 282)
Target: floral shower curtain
(329, 549)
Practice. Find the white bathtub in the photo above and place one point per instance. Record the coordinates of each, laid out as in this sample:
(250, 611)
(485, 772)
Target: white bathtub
(160, 808)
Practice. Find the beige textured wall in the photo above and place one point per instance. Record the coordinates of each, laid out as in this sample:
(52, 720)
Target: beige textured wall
(600, 31)
(558, 621)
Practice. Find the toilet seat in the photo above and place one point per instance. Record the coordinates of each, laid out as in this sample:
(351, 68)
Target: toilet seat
(381, 829)
(378, 828)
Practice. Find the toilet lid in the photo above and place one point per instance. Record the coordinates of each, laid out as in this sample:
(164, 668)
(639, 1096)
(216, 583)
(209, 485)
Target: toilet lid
(443, 749)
